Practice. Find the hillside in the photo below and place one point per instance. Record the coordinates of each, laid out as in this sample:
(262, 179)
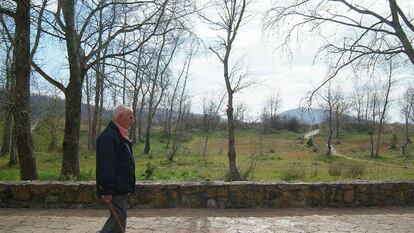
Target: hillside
(305, 115)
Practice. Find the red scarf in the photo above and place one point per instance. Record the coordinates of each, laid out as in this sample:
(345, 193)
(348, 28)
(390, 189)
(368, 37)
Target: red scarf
(123, 132)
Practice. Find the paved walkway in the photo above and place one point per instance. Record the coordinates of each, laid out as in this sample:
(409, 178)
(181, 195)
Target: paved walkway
(194, 220)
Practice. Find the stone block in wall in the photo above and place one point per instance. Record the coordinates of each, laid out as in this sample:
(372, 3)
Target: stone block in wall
(366, 194)
(315, 195)
(20, 192)
(214, 194)
(245, 195)
(192, 195)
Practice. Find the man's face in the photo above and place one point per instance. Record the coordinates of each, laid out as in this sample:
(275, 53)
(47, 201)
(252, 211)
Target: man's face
(125, 120)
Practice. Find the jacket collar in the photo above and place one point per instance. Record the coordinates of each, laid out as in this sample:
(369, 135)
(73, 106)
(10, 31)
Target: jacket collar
(115, 127)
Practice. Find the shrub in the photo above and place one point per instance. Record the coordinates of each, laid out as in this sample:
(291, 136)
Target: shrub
(347, 169)
(293, 173)
(314, 171)
(393, 141)
(309, 142)
(227, 176)
(335, 169)
(149, 171)
(354, 170)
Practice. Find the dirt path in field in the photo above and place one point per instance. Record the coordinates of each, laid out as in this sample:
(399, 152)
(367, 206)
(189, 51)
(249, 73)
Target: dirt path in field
(335, 152)
(311, 133)
(369, 162)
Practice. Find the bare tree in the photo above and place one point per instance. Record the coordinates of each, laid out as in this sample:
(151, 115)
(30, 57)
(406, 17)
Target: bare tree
(273, 104)
(230, 15)
(173, 31)
(363, 35)
(343, 104)
(211, 108)
(327, 102)
(407, 111)
(8, 93)
(19, 11)
(9, 132)
(177, 134)
(384, 108)
(177, 97)
(378, 105)
(158, 81)
(239, 115)
(358, 101)
(99, 70)
(74, 22)
(269, 115)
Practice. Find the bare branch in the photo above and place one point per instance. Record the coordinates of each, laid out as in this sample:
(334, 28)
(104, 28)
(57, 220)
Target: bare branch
(48, 78)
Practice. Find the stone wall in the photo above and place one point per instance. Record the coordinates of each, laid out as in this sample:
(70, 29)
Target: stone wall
(214, 194)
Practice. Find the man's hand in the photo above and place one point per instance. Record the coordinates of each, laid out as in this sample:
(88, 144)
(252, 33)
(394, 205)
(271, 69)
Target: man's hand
(106, 198)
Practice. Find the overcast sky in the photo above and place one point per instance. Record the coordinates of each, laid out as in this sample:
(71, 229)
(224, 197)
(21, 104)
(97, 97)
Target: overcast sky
(292, 76)
(275, 71)
(272, 69)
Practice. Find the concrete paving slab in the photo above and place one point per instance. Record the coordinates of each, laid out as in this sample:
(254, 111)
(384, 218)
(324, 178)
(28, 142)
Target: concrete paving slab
(212, 220)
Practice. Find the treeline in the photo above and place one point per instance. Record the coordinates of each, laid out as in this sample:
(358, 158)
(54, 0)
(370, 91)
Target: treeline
(139, 53)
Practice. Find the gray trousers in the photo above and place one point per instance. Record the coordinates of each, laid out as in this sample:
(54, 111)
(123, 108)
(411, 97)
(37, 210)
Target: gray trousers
(120, 204)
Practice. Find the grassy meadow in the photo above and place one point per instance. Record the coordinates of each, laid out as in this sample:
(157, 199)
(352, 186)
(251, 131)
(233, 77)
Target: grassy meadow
(270, 156)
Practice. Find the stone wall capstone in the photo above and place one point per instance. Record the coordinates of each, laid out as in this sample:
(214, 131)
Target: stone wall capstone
(215, 194)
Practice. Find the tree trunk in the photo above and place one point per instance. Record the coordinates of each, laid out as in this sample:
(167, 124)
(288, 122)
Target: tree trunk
(8, 118)
(235, 175)
(70, 162)
(134, 114)
(147, 138)
(337, 123)
(175, 146)
(13, 151)
(140, 115)
(7, 132)
(96, 109)
(206, 142)
(135, 104)
(407, 138)
(149, 120)
(53, 138)
(100, 107)
(73, 94)
(384, 109)
(329, 141)
(89, 107)
(373, 128)
(22, 63)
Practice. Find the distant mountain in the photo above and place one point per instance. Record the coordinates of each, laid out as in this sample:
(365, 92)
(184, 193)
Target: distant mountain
(305, 115)
(41, 105)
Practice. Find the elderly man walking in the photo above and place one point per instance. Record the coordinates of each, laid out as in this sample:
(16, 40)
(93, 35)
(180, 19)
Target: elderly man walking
(115, 168)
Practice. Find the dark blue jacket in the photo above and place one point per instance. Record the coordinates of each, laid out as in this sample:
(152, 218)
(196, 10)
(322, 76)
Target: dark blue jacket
(115, 166)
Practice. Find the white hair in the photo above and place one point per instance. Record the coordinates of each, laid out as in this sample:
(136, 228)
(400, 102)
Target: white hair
(119, 110)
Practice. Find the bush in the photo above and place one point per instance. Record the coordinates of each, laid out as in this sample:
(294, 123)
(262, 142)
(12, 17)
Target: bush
(354, 170)
(335, 169)
(293, 173)
(149, 171)
(309, 142)
(314, 172)
(393, 141)
(347, 169)
(227, 176)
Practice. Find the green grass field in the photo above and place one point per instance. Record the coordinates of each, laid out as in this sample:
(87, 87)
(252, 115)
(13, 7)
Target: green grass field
(279, 155)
